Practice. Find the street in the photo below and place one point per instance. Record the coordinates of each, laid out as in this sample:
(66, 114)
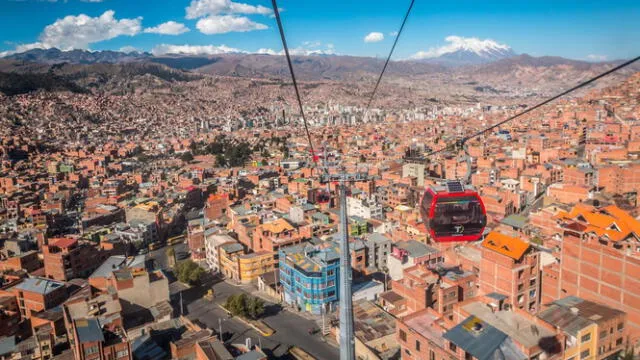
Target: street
(290, 328)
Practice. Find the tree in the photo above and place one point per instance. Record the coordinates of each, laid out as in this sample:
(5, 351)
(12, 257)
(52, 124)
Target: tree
(246, 306)
(186, 157)
(189, 272)
(221, 161)
(237, 304)
(255, 307)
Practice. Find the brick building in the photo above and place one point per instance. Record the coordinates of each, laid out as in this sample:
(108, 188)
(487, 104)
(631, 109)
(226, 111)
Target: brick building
(510, 267)
(65, 258)
(38, 294)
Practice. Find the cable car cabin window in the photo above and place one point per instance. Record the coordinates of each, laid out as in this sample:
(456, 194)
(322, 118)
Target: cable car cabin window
(458, 216)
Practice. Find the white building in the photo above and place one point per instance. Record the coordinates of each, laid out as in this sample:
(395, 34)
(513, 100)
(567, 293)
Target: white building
(212, 242)
(366, 209)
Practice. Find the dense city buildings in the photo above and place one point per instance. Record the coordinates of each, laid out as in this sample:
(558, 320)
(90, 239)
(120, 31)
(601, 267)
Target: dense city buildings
(143, 220)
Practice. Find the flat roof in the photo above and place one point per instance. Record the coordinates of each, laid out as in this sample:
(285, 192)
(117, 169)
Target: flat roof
(416, 248)
(39, 285)
(516, 326)
(476, 337)
(88, 330)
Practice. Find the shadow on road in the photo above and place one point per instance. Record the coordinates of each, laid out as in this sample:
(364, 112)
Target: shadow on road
(271, 310)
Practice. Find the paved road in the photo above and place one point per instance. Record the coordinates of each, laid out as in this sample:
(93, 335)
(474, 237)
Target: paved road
(291, 329)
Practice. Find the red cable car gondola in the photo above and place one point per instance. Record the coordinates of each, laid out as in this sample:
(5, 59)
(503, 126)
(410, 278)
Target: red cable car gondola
(453, 212)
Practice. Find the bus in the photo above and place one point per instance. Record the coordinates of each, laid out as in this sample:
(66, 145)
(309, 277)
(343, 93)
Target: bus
(176, 240)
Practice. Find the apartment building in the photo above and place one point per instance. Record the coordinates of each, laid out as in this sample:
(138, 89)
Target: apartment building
(511, 267)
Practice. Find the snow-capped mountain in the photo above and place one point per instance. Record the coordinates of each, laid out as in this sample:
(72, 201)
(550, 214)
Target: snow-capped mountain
(465, 51)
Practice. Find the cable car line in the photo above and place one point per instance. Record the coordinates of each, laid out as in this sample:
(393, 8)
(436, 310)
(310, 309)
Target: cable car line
(462, 141)
(293, 78)
(386, 63)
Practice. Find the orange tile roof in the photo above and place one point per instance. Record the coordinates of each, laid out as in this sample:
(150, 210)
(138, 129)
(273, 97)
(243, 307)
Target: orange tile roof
(277, 226)
(611, 221)
(505, 245)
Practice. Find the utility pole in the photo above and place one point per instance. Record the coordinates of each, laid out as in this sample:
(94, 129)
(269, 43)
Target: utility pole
(347, 342)
(181, 307)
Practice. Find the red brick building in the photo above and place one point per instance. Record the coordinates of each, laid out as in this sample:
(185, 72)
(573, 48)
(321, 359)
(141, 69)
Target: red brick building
(510, 267)
(599, 260)
(65, 258)
(37, 294)
(216, 206)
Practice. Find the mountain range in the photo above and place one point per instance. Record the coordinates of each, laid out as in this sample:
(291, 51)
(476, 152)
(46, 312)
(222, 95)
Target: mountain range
(467, 76)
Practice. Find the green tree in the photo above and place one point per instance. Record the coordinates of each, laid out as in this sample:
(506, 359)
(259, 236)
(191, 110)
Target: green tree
(221, 161)
(237, 304)
(255, 307)
(189, 272)
(186, 157)
(246, 306)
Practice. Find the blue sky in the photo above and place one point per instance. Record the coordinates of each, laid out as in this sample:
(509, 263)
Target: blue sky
(575, 29)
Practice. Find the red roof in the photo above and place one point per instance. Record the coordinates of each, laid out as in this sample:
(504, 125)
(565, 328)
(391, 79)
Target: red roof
(65, 243)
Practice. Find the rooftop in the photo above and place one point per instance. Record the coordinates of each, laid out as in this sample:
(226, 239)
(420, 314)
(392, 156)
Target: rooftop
(505, 245)
(117, 262)
(483, 341)
(64, 243)
(516, 326)
(88, 330)
(426, 324)
(571, 314)
(39, 285)
(416, 248)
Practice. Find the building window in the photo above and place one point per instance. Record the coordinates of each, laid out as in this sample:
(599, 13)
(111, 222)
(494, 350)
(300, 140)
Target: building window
(603, 334)
(417, 345)
(432, 355)
(91, 350)
(585, 338)
(403, 335)
(468, 356)
(620, 326)
(585, 354)
(619, 342)
(122, 353)
(453, 347)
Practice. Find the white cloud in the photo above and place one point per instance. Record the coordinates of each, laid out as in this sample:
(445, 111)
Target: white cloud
(92, 1)
(129, 49)
(594, 57)
(220, 24)
(168, 28)
(265, 51)
(202, 8)
(311, 44)
(456, 43)
(300, 51)
(393, 33)
(163, 49)
(78, 32)
(374, 37)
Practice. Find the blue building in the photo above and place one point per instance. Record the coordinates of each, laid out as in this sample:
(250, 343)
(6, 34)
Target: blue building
(309, 276)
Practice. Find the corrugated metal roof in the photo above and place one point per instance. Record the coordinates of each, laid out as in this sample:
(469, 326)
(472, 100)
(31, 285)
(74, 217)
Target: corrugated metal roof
(476, 337)
(89, 330)
(39, 285)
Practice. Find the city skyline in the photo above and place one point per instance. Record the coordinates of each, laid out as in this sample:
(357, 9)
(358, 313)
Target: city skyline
(593, 31)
